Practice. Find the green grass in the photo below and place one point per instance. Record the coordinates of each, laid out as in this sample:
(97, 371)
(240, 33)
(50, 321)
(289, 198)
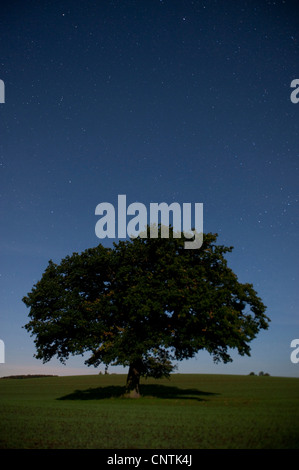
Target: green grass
(185, 412)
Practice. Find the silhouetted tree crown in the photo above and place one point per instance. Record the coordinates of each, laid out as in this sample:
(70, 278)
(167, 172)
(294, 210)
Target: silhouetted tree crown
(144, 303)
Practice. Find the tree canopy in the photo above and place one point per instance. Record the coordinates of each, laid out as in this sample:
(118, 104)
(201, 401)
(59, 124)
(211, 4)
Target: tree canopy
(143, 304)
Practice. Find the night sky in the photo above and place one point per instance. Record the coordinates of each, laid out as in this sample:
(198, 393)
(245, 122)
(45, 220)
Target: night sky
(163, 101)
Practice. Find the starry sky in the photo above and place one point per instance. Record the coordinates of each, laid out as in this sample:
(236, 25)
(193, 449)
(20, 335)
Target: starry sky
(163, 101)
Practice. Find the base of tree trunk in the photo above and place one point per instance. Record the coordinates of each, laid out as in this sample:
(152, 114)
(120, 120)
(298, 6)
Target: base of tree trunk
(132, 386)
(132, 394)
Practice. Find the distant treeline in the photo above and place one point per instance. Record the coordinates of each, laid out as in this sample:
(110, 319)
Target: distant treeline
(28, 376)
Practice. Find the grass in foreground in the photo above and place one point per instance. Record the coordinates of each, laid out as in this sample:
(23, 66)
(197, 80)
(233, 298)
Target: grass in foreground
(186, 412)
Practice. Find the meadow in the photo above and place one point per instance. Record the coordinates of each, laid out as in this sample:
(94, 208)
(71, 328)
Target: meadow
(189, 411)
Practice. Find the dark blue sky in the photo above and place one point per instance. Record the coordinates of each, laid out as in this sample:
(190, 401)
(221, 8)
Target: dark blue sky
(185, 101)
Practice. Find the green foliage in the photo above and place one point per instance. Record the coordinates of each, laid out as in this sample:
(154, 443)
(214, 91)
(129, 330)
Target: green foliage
(146, 301)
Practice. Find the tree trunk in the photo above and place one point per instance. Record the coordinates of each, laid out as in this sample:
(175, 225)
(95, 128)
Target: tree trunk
(132, 386)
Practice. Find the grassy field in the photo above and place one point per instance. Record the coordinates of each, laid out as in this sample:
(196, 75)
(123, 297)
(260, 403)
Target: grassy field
(185, 412)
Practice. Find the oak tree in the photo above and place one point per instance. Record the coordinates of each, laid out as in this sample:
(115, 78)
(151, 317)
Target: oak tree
(144, 304)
